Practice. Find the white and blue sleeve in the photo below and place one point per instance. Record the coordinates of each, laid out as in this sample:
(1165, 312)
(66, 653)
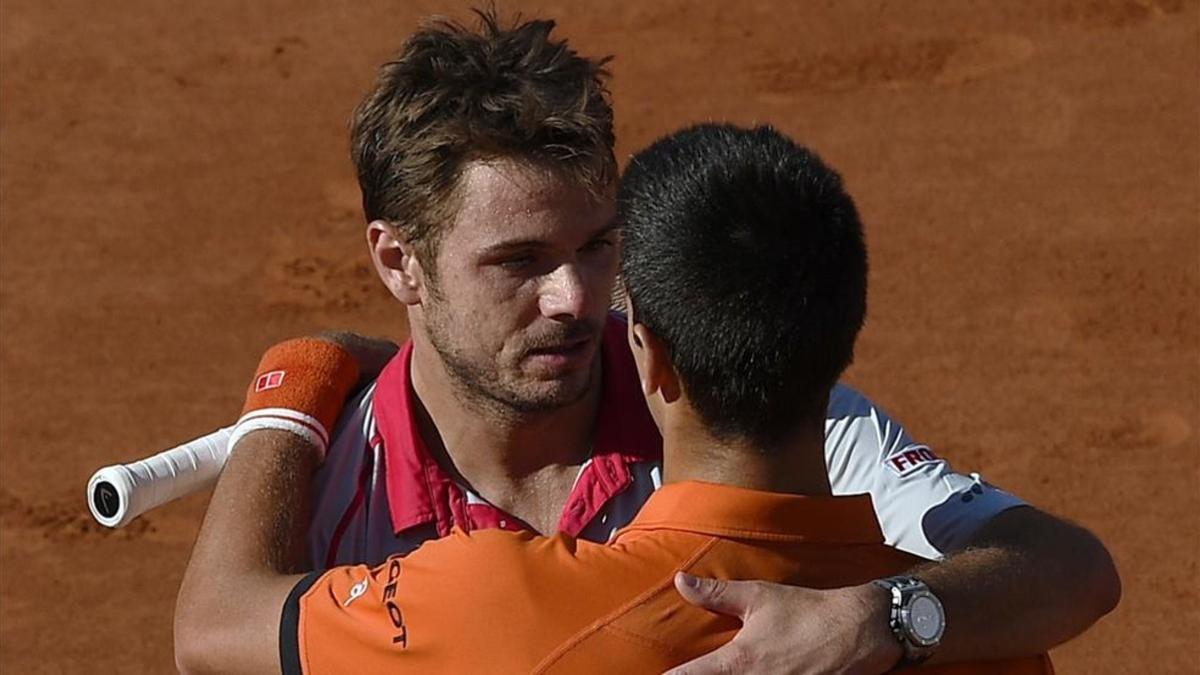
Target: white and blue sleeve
(924, 507)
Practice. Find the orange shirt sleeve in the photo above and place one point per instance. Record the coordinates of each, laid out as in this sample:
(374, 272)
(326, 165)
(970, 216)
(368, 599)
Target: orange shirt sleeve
(489, 601)
(343, 616)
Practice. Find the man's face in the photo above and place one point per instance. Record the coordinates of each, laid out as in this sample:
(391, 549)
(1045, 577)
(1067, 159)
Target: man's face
(524, 275)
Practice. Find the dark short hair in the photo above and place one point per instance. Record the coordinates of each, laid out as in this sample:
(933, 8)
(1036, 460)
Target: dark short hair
(745, 255)
(457, 93)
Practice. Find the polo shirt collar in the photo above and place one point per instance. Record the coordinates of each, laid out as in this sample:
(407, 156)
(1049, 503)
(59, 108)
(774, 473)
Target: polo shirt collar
(625, 433)
(414, 480)
(419, 491)
(726, 511)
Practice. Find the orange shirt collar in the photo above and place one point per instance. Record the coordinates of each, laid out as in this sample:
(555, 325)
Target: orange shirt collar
(725, 511)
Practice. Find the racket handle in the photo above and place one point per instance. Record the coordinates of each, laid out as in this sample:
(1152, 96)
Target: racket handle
(119, 493)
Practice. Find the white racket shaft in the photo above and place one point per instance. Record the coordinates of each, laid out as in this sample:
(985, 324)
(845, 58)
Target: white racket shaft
(119, 493)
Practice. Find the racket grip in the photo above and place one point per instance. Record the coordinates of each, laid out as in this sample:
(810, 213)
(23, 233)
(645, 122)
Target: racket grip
(119, 493)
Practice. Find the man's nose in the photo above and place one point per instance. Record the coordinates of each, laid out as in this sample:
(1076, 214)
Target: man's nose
(564, 294)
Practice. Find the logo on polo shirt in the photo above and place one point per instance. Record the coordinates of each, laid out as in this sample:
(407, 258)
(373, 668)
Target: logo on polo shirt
(356, 591)
(910, 459)
(271, 380)
(393, 609)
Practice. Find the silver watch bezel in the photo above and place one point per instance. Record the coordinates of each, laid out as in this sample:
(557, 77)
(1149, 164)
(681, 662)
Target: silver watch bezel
(908, 624)
(904, 591)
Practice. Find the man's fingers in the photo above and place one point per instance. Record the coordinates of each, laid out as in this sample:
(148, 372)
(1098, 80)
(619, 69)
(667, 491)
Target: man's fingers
(730, 659)
(371, 354)
(734, 598)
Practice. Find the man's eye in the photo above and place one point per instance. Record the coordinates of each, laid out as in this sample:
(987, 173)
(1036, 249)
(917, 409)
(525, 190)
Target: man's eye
(517, 262)
(597, 245)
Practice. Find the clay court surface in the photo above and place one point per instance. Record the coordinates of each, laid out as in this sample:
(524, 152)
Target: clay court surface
(176, 196)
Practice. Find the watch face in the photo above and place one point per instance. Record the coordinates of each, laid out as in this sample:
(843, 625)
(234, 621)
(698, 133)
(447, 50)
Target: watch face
(925, 619)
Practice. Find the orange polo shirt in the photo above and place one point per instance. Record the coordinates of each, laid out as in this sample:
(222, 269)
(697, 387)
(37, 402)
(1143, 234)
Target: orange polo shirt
(509, 602)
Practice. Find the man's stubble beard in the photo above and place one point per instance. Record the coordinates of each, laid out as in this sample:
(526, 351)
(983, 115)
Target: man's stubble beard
(482, 388)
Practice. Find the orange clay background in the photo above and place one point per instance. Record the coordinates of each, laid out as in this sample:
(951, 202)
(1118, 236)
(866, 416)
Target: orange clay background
(176, 196)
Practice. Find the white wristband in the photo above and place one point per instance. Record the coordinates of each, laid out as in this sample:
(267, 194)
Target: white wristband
(289, 414)
(282, 419)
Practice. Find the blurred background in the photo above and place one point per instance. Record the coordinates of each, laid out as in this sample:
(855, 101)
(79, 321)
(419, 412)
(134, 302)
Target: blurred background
(176, 195)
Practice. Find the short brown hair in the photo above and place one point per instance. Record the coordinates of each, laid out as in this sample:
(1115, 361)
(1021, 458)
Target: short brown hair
(456, 94)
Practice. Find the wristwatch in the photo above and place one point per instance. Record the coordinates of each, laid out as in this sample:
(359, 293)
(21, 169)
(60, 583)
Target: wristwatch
(917, 618)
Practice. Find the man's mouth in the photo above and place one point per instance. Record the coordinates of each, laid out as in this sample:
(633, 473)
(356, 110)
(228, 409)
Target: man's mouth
(569, 354)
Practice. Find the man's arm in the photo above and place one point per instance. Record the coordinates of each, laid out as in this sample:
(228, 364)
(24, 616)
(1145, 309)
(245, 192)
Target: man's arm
(1025, 582)
(231, 618)
(1014, 581)
(227, 614)
(240, 574)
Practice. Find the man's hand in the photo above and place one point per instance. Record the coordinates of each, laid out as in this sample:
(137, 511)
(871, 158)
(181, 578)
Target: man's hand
(788, 629)
(371, 354)
(1025, 582)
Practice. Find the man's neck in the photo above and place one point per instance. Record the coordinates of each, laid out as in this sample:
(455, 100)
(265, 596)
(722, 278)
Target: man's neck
(690, 452)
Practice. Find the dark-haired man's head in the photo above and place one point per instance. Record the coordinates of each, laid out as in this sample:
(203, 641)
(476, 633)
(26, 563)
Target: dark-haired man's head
(485, 157)
(744, 262)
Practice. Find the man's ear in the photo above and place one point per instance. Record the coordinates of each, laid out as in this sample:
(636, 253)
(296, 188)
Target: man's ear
(655, 370)
(396, 262)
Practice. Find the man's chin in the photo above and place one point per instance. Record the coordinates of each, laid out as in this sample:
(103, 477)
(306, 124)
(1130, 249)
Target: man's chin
(545, 394)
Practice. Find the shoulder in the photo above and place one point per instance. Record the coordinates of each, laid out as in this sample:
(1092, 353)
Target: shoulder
(855, 424)
(847, 404)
